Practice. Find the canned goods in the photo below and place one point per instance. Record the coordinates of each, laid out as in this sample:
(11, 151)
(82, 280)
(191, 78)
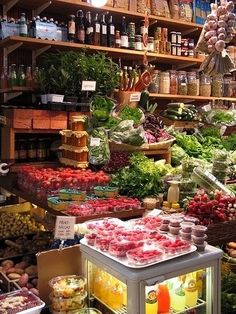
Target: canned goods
(151, 44)
(131, 42)
(173, 37)
(191, 43)
(168, 47)
(178, 38)
(184, 51)
(164, 34)
(157, 46)
(138, 43)
(131, 29)
(162, 47)
(184, 42)
(173, 49)
(178, 50)
(157, 33)
(191, 53)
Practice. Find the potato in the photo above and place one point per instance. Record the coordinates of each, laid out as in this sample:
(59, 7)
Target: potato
(31, 270)
(23, 280)
(34, 291)
(15, 270)
(34, 282)
(233, 253)
(7, 263)
(22, 265)
(232, 245)
(29, 285)
(13, 276)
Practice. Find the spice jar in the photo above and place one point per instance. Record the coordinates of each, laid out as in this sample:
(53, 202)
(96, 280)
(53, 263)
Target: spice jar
(173, 82)
(154, 85)
(164, 83)
(192, 84)
(217, 86)
(138, 42)
(182, 83)
(205, 85)
(151, 44)
(78, 122)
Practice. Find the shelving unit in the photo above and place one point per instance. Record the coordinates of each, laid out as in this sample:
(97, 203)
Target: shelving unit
(190, 98)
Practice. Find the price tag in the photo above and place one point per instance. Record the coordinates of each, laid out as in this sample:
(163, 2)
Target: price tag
(65, 228)
(88, 86)
(95, 141)
(3, 120)
(222, 130)
(135, 97)
(154, 213)
(206, 108)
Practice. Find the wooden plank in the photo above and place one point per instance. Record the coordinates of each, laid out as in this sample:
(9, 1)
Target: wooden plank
(7, 144)
(187, 97)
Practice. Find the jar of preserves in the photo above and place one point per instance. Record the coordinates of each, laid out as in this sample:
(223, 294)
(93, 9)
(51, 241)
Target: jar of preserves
(182, 83)
(205, 85)
(192, 84)
(164, 83)
(173, 82)
(22, 153)
(217, 86)
(154, 85)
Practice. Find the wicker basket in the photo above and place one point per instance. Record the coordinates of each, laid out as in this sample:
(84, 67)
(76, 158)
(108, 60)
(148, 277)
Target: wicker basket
(221, 233)
(159, 145)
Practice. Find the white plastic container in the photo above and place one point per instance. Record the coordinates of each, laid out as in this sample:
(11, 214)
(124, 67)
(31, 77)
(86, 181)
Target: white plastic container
(55, 98)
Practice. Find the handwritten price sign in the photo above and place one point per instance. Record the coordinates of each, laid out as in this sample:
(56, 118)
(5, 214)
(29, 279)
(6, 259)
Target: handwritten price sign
(65, 228)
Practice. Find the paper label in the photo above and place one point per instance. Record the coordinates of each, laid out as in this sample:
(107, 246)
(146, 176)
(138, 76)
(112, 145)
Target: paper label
(65, 228)
(206, 108)
(135, 97)
(222, 130)
(154, 213)
(3, 120)
(88, 86)
(95, 141)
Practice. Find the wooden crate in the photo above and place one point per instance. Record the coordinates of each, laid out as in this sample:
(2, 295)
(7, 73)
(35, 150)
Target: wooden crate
(18, 118)
(180, 124)
(221, 233)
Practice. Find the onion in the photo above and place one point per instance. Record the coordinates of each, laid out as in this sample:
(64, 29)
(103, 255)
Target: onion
(209, 34)
(222, 24)
(220, 45)
(230, 30)
(221, 36)
(221, 30)
(231, 16)
(224, 17)
(221, 10)
(230, 6)
(212, 25)
(230, 23)
(211, 17)
(212, 40)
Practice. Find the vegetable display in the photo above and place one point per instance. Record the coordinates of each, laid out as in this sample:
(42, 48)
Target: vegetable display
(101, 108)
(154, 129)
(228, 295)
(218, 117)
(133, 114)
(181, 112)
(99, 152)
(118, 160)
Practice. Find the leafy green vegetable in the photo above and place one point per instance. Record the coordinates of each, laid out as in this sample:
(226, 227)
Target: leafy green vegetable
(99, 152)
(211, 131)
(177, 155)
(228, 295)
(230, 142)
(222, 117)
(131, 114)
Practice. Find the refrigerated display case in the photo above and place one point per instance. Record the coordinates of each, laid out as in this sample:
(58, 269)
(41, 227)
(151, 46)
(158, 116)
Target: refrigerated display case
(187, 284)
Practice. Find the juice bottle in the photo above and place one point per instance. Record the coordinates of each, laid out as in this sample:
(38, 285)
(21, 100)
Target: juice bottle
(191, 291)
(98, 284)
(106, 290)
(124, 289)
(151, 306)
(163, 298)
(178, 295)
(116, 301)
(199, 279)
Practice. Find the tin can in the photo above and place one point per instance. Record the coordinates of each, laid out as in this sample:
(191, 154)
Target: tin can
(184, 51)
(164, 34)
(157, 46)
(191, 43)
(173, 50)
(173, 37)
(168, 47)
(162, 47)
(184, 42)
(157, 33)
(178, 50)
(179, 37)
(131, 29)
(191, 53)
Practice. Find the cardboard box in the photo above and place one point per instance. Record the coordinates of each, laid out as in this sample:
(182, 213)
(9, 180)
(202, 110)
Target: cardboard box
(41, 124)
(61, 262)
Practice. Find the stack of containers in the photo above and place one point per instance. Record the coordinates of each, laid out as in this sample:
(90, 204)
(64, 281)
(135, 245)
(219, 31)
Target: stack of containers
(220, 165)
(74, 144)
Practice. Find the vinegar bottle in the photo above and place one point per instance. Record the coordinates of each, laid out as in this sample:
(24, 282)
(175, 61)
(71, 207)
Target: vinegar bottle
(163, 299)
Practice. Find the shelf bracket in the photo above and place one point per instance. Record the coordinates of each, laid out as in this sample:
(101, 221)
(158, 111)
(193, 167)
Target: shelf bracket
(41, 8)
(189, 31)
(6, 7)
(11, 96)
(184, 65)
(12, 48)
(39, 51)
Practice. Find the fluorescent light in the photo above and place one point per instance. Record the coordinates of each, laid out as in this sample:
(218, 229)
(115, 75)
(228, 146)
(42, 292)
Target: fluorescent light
(98, 3)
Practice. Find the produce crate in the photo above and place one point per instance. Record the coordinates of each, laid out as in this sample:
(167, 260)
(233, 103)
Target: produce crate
(18, 208)
(6, 285)
(221, 233)
(180, 124)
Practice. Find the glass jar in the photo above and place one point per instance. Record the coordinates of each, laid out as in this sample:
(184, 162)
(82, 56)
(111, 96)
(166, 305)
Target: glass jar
(192, 84)
(31, 149)
(217, 86)
(185, 10)
(205, 85)
(22, 154)
(173, 82)
(164, 83)
(227, 87)
(154, 85)
(182, 83)
(41, 150)
(138, 42)
(151, 44)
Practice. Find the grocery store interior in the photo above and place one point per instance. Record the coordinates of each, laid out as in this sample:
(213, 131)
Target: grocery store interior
(118, 156)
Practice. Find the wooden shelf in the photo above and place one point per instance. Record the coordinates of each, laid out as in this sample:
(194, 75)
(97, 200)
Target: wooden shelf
(190, 98)
(16, 89)
(36, 131)
(38, 44)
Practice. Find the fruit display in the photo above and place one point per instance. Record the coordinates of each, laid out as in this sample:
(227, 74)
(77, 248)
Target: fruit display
(144, 256)
(48, 181)
(99, 206)
(14, 224)
(180, 111)
(212, 208)
(20, 302)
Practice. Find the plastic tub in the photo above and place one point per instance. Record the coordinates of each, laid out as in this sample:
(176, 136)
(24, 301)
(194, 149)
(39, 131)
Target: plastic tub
(199, 231)
(68, 304)
(67, 286)
(186, 226)
(102, 242)
(30, 305)
(191, 219)
(174, 230)
(198, 240)
(185, 235)
(201, 247)
(143, 256)
(90, 237)
(165, 219)
(119, 248)
(175, 222)
(174, 247)
(164, 227)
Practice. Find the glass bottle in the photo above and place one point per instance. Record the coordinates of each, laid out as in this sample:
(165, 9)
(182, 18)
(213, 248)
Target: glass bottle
(173, 82)
(163, 298)
(35, 72)
(205, 85)
(103, 37)
(22, 155)
(4, 83)
(182, 83)
(110, 33)
(23, 26)
(164, 83)
(89, 29)
(21, 76)
(80, 32)
(217, 86)
(124, 34)
(31, 149)
(173, 192)
(71, 28)
(41, 151)
(117, 39)
(97, 30)
(12, 76)
(227, 91)
(192, 84)
(28, 77)
(154, 85)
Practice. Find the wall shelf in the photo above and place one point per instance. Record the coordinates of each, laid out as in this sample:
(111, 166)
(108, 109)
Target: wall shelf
(190, 98)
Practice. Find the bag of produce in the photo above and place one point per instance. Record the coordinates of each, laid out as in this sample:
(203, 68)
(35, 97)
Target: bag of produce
(99, 152)
(217, 32)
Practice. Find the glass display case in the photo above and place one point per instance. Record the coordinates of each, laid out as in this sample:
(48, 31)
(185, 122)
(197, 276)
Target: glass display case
(188, 284)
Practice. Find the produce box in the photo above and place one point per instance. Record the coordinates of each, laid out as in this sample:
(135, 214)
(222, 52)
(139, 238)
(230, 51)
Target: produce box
(66, 261)
(18, 118)
(6, 285)
(17, 208)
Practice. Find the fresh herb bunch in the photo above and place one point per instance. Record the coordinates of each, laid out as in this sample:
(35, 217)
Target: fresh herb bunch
(222, 117)
(229, 143)
(131, 114)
